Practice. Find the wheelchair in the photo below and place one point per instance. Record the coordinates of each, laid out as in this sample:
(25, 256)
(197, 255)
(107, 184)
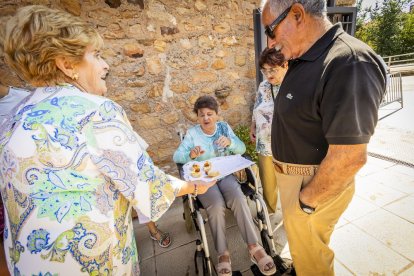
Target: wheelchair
(195, 220)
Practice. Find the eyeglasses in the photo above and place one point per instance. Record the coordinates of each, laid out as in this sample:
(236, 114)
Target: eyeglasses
(267, 72)
(269, 29)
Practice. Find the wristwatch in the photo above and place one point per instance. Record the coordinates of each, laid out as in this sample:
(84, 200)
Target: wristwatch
(305, 208)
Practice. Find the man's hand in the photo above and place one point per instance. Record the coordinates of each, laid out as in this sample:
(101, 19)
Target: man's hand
(336, 171)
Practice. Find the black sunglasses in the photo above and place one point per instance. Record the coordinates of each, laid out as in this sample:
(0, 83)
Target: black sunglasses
(269, 29)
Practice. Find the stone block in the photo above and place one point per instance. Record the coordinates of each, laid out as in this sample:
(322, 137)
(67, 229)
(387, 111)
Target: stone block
(251, 73)
(180, 88)
(218, 64)
(185, 43)
(204, 77)
(148, 122)
(154, 65)
(113, 3)
(137, 2)
(136, 83)
(206, 42)
(190, 115)
(237, 100)
(165, 30)
(71, 6)
(229, 41)
(170, 118)
(141, 108)
(155, 91)
(240, 60)
(193, 99)
(200, 6)
(160, 45)
(133, 50)
(135, 30)
(222, 28)
(221, 53)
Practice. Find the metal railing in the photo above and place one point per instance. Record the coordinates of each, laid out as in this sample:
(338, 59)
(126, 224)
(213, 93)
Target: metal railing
(394, 93)
(399, 59)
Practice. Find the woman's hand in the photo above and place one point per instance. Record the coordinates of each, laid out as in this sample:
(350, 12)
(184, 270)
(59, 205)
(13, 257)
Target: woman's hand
(189, 187)
(253, 132)
(223, 142)
(196, 152)
(203, 186)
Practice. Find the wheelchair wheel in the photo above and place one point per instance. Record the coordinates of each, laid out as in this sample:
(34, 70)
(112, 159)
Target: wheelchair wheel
(187, 217)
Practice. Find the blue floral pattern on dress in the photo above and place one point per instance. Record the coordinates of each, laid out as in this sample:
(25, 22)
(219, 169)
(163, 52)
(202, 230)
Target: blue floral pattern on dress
(71, 169)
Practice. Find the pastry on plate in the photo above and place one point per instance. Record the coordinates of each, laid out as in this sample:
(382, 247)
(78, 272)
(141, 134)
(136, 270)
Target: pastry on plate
(213, 173)
(207, 166)
(196, 174)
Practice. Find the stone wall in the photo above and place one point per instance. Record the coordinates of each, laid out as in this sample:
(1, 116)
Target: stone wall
(163, 55)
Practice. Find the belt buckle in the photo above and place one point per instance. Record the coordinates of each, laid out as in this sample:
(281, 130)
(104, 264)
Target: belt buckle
(278, 167)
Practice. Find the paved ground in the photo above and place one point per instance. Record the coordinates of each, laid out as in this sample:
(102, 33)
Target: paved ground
(394, 135)
(375, 236)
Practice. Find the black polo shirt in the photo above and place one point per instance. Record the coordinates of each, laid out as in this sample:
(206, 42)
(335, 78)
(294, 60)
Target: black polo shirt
(330, 95)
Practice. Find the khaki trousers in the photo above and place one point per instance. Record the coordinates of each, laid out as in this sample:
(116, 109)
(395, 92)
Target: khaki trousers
(268, 179)
(309, 235)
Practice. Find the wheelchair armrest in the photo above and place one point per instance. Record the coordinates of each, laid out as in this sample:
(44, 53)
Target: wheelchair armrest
(180, 170)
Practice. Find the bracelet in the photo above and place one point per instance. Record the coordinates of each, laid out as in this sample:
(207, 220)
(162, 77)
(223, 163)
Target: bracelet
(195, 190)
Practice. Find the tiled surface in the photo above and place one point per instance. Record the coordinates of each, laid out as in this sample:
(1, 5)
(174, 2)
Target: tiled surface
(341, 270)
(375, 236)
(394, 179)
(358, 207)
(408, 272)
(377, 193)
(403, 208)
(363, 254)
(394, 232)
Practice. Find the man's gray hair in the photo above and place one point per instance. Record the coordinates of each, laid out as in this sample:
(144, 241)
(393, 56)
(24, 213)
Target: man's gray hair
(316, 8)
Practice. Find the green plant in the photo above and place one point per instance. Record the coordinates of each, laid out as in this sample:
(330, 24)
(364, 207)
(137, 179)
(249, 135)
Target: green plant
(243, 132)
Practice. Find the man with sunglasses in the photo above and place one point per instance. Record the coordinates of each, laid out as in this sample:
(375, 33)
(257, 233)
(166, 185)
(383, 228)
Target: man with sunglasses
(324, 115)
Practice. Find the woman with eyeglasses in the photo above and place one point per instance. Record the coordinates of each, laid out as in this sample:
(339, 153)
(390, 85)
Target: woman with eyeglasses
(273, 67)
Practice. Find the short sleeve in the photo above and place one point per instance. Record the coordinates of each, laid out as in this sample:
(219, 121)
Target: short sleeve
(350, 102)
(119, 153)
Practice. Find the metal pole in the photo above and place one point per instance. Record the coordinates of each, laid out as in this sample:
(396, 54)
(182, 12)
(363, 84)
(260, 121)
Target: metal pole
(259, 45)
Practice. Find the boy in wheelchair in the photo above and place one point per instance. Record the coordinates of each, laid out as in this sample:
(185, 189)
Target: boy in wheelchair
(206, 140)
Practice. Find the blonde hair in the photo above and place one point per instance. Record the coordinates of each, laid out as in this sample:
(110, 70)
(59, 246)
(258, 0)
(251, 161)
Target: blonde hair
(37, 35)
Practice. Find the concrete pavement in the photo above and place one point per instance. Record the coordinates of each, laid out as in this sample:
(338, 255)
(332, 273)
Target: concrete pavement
(375, 236)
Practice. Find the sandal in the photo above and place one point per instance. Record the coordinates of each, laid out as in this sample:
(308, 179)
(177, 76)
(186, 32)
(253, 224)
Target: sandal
(265, 260)
(222, 266)
(162, 238)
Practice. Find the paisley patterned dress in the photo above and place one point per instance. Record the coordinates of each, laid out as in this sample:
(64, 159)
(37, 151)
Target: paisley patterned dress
(263, 115)
(71, 169)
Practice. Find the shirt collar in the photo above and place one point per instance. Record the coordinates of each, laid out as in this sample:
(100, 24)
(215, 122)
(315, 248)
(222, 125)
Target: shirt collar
(322, 43)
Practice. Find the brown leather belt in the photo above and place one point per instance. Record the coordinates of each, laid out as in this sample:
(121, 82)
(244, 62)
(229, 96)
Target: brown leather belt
(293, 169)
